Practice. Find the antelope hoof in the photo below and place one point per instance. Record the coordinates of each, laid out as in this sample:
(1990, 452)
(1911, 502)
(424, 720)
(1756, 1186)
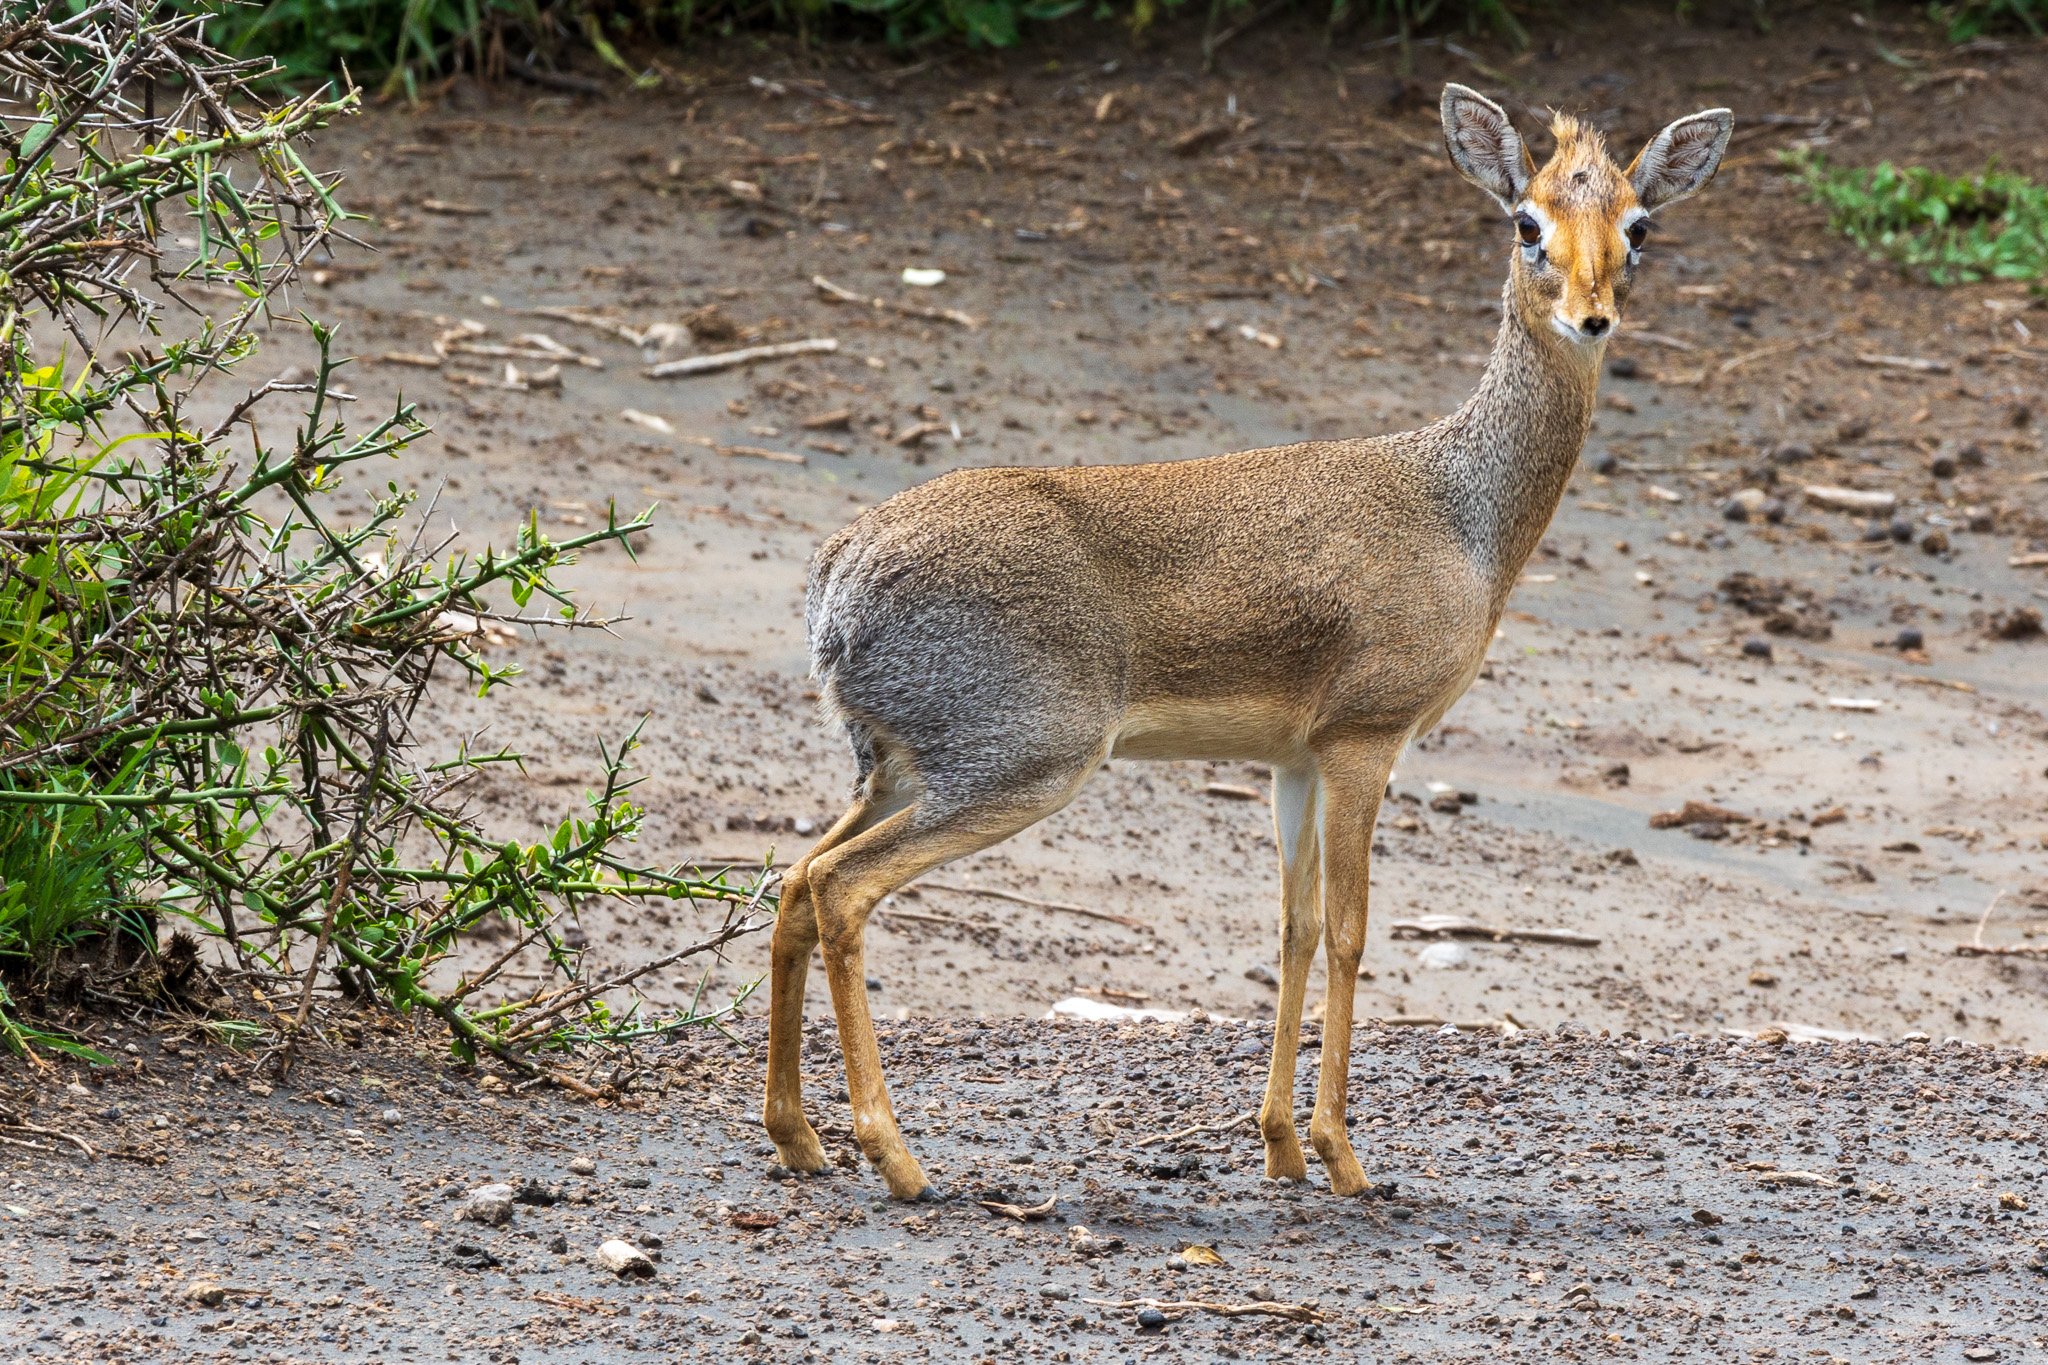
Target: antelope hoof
(1284, 1160)
(1347, 1177)
(801, 1152)
(905, 1178)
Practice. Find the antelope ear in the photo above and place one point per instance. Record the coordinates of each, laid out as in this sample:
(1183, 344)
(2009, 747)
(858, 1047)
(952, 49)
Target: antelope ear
(1484, 145)
(1679, 161)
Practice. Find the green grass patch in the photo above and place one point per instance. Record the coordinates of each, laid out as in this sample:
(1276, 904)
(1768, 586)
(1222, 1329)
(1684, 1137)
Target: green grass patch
(1947, 229)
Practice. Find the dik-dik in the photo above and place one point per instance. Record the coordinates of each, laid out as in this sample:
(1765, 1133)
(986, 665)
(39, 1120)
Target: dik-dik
(990, 638)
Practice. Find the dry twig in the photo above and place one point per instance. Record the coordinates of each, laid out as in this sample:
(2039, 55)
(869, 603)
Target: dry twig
(725, 360)
(1200, 1129)
(1293, 1312)
(1063, 907)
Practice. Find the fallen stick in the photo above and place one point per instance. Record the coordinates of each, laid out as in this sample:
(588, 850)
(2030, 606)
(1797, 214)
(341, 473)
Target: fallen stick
(1659, 339)
(596, 322)
(1734, 363)
(2035, 561)
(1977, 947)
(1293, 1312)
(839, 294)
(725, 360)
(1507, 1025)
(1850, 499)
(1023, 1213)
(759, 453)
(931, 917)
(1457, 926)
(1950, 684)
(497, 352)
(1903, 362)
(80, 1143)
(914, 434)
(1221, 1126)
(1805, 1179)
(1037, 904)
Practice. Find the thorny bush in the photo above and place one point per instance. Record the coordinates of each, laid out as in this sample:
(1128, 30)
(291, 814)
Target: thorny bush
(207, 682)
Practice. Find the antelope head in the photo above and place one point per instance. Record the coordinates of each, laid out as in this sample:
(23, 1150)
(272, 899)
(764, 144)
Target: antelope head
(1581, 221)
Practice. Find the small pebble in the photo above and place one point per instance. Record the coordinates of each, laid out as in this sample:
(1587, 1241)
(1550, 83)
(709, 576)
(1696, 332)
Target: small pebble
(490, 1205)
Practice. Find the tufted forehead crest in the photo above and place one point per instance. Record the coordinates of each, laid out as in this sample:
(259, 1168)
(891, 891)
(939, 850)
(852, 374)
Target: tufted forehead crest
(1575, 141)
(1579, 171)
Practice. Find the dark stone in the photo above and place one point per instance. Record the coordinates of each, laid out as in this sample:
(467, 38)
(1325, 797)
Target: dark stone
(469, 1256)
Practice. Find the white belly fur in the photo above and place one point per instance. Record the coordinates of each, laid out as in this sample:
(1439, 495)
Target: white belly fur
(1235, 729)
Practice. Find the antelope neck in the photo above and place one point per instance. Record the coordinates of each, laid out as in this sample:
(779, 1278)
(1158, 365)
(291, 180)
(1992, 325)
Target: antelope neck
(1507, 453)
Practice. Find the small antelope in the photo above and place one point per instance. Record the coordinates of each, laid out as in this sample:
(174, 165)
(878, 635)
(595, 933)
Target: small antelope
(990, 638)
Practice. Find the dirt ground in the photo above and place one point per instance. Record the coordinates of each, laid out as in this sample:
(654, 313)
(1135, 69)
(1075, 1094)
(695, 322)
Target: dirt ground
(1552, 1198)
(1161, 263)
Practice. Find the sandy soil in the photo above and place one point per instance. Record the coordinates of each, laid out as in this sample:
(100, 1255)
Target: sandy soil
(1114, 279)
(1553, 1199)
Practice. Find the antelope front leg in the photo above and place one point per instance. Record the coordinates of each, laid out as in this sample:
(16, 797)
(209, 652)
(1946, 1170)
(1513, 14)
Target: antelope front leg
(1352, 785)
(1294, 821)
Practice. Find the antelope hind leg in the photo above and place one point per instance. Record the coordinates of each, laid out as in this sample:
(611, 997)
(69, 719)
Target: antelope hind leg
(796, 934)
(845, 885)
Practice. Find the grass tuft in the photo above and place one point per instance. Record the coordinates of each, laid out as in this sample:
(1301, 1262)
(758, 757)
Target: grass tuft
(1947, 229)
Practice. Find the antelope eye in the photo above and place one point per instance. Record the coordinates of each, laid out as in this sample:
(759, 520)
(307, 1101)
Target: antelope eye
(1528, 229)
(1638, 233)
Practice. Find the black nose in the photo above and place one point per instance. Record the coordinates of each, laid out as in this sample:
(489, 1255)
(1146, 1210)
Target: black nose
(1595, 327)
